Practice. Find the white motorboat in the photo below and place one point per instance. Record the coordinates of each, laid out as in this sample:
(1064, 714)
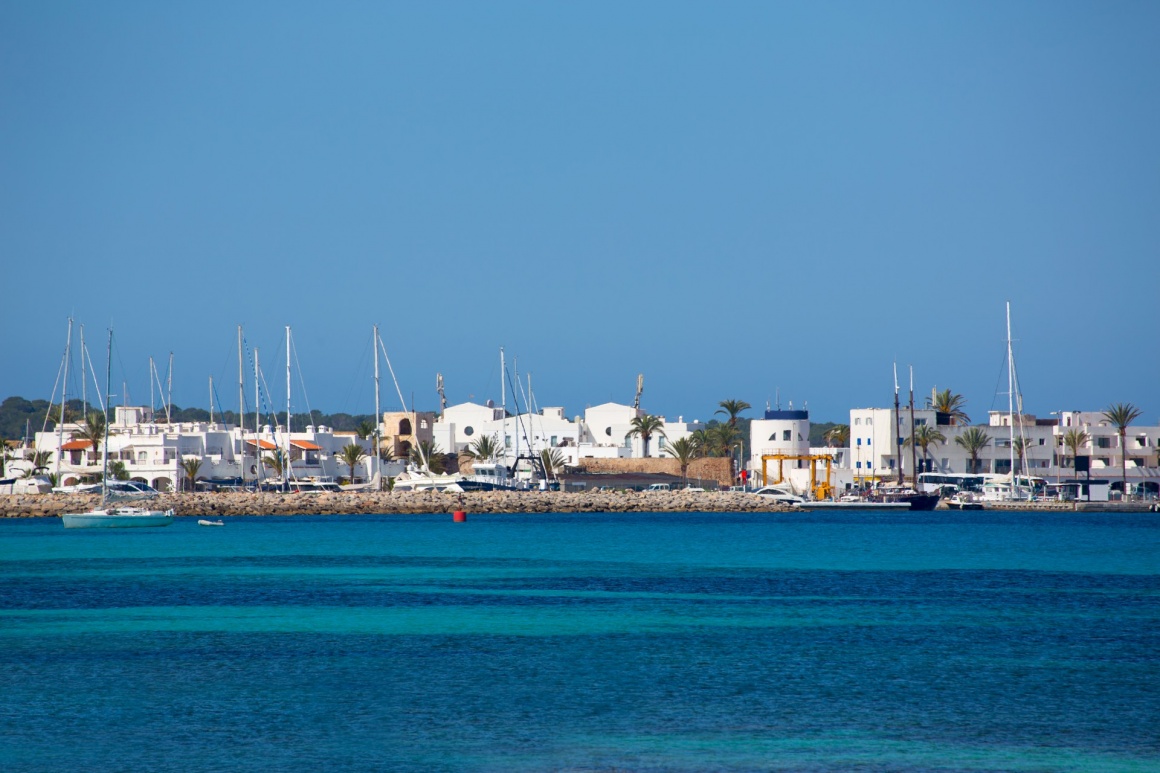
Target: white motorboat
(204, 522)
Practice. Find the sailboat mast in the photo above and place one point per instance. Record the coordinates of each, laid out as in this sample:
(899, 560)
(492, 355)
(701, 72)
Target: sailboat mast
(152, 396)
(897, 434)
(241, 409)
(211, 399)
(286, 461)
(84, 381)
(503, 398)
(108, 398)
(1011, 399)
(378, 414)
(63, 401)
(913, 445)
(257, 416)
(169, 393)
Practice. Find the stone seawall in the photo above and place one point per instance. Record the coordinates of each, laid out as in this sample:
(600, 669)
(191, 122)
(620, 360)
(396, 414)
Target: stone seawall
(719, 469)
(226, 504)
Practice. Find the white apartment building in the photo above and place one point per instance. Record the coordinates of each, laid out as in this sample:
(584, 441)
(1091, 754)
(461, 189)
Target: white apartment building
(153, 453)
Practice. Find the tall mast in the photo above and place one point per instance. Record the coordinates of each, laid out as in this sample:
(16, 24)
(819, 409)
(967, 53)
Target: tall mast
(211, 399)
(913, 445)
(63, 400)
(241, 409)
(503, 398)
(1011, 399)
(169, 393)
(516, 402)
(286, 461)
(84, 381)
(152, 400)
(897, 434)
(378, 414)
(257, 416)
(108, 397)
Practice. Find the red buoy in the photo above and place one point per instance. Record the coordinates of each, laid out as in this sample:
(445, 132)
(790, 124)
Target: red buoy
(459, 516)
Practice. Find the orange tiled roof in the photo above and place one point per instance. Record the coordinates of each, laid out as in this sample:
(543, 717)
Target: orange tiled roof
(76, 445)
(305, 445)
(263, 444)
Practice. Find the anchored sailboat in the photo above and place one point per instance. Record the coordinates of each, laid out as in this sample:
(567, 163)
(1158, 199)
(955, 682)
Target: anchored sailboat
(109, 514)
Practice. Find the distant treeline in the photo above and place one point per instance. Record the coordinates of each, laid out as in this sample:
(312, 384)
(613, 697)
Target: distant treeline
(17, 414)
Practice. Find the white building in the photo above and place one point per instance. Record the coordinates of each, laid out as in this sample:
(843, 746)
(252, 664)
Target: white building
(153, 453)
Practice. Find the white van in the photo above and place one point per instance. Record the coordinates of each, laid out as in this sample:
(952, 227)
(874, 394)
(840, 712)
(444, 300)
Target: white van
(660, 487)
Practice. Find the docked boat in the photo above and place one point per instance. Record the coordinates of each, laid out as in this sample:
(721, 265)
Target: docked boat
(110, 515)
(119, 517)
(851, 502)
(204, 522)
(903, 495)
(964, 500)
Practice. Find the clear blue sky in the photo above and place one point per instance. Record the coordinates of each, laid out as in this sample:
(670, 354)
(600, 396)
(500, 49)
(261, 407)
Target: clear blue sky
(733, 199)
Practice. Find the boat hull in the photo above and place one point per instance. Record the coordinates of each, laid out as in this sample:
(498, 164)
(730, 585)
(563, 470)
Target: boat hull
(117, 520)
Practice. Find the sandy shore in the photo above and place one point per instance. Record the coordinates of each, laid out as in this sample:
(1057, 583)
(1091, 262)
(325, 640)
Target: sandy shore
(225, 504)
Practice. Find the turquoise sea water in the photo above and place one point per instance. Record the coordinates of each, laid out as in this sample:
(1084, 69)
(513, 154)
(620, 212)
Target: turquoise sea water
(859, 641)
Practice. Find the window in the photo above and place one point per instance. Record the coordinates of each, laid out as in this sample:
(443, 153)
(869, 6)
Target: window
(405, 427)
(469, 430)
(869, 421)
(858, 465)
(553, 440)
(1103, 442)
(859, 443)
(867, 441)
(892, 464)
(787, 434)
(920, 422)
(1142, 442)
(1040, 441)
(857, 422)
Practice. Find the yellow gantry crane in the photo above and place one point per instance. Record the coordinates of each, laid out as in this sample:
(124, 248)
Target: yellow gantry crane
(821, 490)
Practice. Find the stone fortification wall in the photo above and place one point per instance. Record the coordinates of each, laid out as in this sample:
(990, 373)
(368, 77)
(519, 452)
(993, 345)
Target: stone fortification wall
(719, 469)
(218, 504)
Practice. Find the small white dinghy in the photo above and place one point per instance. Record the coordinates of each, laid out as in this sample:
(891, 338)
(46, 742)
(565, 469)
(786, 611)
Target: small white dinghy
(204, 522)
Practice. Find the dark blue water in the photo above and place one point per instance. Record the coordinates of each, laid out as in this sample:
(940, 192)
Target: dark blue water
(874, 642)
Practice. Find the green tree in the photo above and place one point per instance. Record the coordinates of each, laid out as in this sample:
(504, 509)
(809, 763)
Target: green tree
(952, 404)
(93, 430)
(553, 462)
(118, 471)
(276, 461)
(722, 439)
(684, 450)
(365, 429)
(926, 436)
(485, 449)
(39, 460)
(1075, 439)
(1121, 415)
(973, 440)
(733, 408)
(192, 468)
(427, 449)
(838, 436)
(350, 455)
(646, 426)
(1020, 446)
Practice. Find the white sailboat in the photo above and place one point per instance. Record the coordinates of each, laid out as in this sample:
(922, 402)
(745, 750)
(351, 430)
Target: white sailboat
(109, 514)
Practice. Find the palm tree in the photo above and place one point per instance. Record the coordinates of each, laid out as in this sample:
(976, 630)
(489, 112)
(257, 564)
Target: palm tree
(838, 436)
(952, 404)
(684, 450)
(1020, 446)
(1073, 440)
(722, 439)
(700, 440)
(484, 449)
(191, 466)
(926, 436)
(732, 408)
(350, 455)
(646, 426)
(93, 430)
(39, 460)
(427, 449)
(1121, 415)
(276, 461)
(553, 462)
(973, 441)
(365, 429)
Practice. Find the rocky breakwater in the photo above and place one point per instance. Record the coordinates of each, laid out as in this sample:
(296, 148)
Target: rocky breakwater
(220, 504)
